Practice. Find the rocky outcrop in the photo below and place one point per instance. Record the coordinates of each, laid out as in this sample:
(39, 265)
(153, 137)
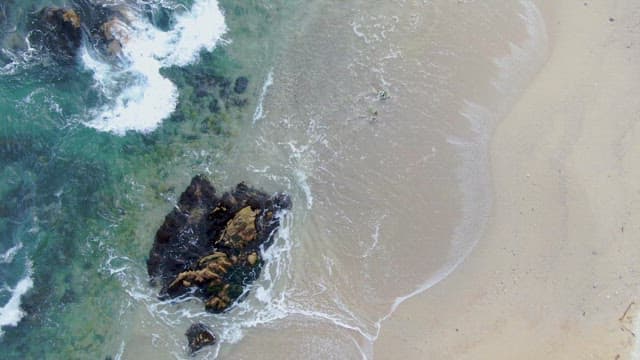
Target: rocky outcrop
(199, 335)
(111, 36)
(210, 246)
(61, 30)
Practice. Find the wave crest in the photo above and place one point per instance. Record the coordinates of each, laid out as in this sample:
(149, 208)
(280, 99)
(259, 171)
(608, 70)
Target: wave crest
(138, 96)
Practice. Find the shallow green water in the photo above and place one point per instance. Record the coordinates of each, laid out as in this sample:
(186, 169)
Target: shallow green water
(76, 198)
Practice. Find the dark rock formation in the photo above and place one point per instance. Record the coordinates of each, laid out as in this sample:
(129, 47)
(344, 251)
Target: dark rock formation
(241, 85)
(210, 247)
(199, 335)
(202, 92)
(61, 31)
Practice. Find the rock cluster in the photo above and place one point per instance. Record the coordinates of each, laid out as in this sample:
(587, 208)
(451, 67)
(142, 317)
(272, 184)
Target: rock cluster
(216, 88)
(61, 30)
(211, 246)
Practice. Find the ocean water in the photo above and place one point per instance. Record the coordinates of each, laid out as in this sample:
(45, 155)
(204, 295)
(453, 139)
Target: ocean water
(375, 116)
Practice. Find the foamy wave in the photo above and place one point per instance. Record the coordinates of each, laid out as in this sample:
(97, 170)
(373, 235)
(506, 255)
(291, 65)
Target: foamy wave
(11, 313)
(259, 114)
(8, 256)
(139, 97)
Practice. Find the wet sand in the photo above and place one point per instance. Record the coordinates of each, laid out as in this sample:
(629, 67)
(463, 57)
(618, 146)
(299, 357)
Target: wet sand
(557, 266)
(390, 190)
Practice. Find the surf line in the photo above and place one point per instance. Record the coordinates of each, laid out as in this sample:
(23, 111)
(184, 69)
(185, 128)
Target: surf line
(259, 113)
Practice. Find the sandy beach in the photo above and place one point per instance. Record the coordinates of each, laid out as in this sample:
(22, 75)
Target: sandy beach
(555, 275)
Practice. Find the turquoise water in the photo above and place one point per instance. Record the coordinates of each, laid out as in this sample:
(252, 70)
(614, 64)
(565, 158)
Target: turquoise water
(77, 203)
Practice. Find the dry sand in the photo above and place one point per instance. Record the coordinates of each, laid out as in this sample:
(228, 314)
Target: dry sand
(558, 265)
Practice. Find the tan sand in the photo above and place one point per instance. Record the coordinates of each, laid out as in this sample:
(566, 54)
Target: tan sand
(558, 265)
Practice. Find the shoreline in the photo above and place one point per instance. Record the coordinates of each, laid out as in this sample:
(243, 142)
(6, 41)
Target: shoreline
(554, 272)
(346, 170)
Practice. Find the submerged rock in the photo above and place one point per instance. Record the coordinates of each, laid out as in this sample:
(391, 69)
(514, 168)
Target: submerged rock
(210, 246)
(199, 335)
(241, 85)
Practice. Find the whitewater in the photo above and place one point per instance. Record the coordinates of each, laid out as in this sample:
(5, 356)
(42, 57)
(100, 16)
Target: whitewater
(139, 97)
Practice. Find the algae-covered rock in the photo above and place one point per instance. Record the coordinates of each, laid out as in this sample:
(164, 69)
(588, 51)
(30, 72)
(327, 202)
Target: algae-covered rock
(70, 16)
(210, 246)
(241, 230)
(199, 335)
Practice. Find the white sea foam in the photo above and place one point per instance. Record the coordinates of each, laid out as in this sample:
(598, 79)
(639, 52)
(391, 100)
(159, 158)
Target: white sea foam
(259, 114)
(8, 255)
(139, 97)
(18, 59)
(375, 237)
(473, 175)
(120, 351)
(11, 313)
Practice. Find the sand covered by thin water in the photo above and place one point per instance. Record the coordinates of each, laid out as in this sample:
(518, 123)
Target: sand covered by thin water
(381, 112)
(377, 118)
(558, 267)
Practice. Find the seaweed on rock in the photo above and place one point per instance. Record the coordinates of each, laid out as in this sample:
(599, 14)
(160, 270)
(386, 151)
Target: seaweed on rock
(210, 246)
(199, 335)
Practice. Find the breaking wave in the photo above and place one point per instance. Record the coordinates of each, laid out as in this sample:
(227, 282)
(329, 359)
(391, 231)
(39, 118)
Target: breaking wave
(138, 96)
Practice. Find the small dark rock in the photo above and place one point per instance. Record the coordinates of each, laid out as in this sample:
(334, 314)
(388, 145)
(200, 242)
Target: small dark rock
(199, 335)
(201, 92)
(177, 116)
(283, 200)
(214, 106)
(611, 19)
(238, 102)
(160, 16)
(241, 85)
